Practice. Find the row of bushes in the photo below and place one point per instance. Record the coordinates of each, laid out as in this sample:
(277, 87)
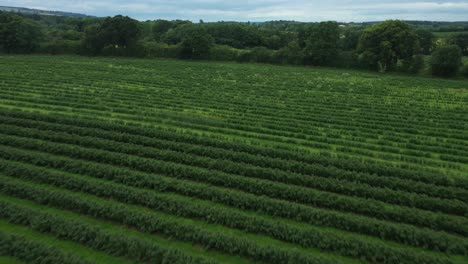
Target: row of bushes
(254, 186)
(250, 154)
(152, 222)
(386, 230)
(268, 135)
(112, 141)
(307, 196)
(114, 243)
(226, 216)
(230, 243)
(34, 252)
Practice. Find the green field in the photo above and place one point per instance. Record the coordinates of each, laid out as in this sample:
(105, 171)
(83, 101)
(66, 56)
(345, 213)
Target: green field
(163, 161)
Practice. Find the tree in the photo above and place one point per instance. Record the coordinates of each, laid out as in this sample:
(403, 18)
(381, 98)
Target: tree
(321, 46)
(350, 39)
(385, 43)
(160, 27)
(196, 43)
(461, 40)
(118, 33)
(17, 34)
(426, 40)
(446, 60)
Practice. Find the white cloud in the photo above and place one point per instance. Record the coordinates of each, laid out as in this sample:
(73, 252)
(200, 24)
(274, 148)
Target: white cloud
(259, 10)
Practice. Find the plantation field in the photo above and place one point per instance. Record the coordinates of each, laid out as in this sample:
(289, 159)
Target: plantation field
(165, 161)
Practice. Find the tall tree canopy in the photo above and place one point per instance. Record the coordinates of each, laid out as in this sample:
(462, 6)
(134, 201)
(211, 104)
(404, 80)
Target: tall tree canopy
(426, 40)
(461, 40)
(18, 34)
(446, 60)
(196, 42)
(321, 45)
(119, 32)
(383, 45)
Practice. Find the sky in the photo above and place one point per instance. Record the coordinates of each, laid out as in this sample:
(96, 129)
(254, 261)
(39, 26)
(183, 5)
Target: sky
(260, 10)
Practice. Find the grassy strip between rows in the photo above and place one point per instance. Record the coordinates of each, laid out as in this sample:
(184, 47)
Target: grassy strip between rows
(10, 260)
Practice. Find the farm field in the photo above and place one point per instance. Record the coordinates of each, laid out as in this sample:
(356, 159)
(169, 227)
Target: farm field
(163, 161)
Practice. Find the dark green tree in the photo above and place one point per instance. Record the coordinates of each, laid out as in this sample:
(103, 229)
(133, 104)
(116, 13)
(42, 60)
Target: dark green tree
(160, 27)
(446, 60)
(196, 42)
(18, 34)
(383, 45)
(118, 33)
(461, 40)
(426, 40)
(321, 45)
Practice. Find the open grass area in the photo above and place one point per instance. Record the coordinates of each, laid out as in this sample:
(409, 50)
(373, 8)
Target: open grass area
(134, 161)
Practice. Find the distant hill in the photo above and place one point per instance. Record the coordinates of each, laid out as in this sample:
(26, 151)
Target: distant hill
(39, 12)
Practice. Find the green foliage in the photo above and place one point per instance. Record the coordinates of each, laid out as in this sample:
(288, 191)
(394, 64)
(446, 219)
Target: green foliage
(18, 35)
(223, 53)
(292, 54)
(196, 43)
(446, 60)
(34, 252)
(160, 50)
(321, 44)
(114, 36)
(169, 161)
(426, 40)
(461, 40)
(464, 70)
(383, 45)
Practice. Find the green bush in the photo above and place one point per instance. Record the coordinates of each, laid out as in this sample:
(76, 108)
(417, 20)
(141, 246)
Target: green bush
(160, 50)
(262, 55)
(60, 47)
(413, 65)
(223, 53)
(464, 70)
(446, 61)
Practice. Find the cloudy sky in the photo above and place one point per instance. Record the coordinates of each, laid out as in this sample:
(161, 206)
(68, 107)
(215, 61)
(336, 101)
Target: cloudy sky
(261, 10)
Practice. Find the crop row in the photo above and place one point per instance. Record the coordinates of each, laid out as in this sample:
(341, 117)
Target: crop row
(256, 186)
(34, 252)
(151, 222)
(352, 147)
(397, 232)
(320, 183)
(309, 128)
(259, 110)
(325, 161)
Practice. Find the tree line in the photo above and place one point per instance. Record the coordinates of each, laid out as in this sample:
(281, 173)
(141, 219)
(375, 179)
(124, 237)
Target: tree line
(387, 46)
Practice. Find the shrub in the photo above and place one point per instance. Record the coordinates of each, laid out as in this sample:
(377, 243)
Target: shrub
(413, 65)
(223, 53)
(446, 61)
(464, 70)
(60, 47)
(160, 50)
(261, 55)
